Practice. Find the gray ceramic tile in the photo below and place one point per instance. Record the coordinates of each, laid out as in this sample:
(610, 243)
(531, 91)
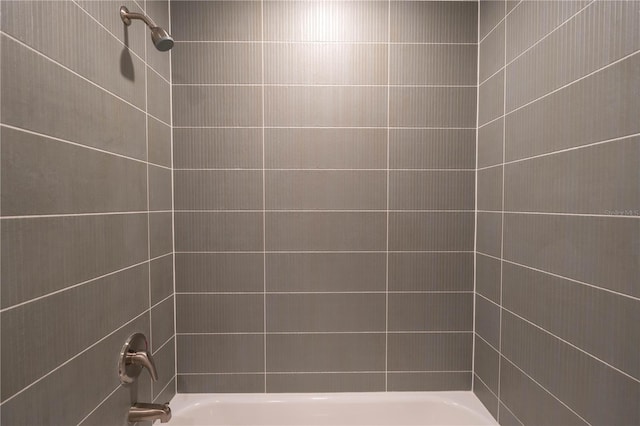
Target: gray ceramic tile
(325, 63)
(325, 352)
(215, 20)
(159, 135)
(431, 190)
(491, 13)
(217, 63)
(432, 106)
(507, 418)
(488, 277)
(221, 148)
(597, 250)
(432, 149)
(158, 10)
(160, 188)
(302, 272)
(489, 191)
(431, 231)
(282, 21)
(325, 148)
(325, 312)
(601, 179)
(429, 351)
(489, 234)
(158, 97)
(165, 360)
(218, 189)
(229, 353)
(491, 99)
(594, 320)
(430, 312)
(420, 382)
(531, 403)
(434, 22)
(68, 397)
(221, 383)
(162, 325)
(490, 143)
(48, 87)
(488, 399)
(430, 271)
(511, 4)
(491, 53)
(487, 322)
(87, 313)
(325, 190)
(160, 234)
(219, 272)
(41, 255)
(433, 64)
(485, 365)
(167, 394)
(218, 231)
(585, 379)
(40, 176)
(314, 231)
(326, 382)
(599, 107)
(115, 69)
(161, 278)
(217, 105)
(113, 411)
(326, 106)
(219, 313)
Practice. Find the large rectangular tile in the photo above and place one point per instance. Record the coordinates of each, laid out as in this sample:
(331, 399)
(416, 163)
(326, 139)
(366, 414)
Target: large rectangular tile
(315, 272)
(325, 63)
(429, 381)
(216, 20)
(429, 351)
(489, 189)
(217, 63)
(112, 411)
(325, 312)
(161, 278)
(489, 234)
(325, 190)
(218, 231)
(434, 21)
(433, 64)
(33, 86)
(488, 276)
(160, 188)
(45, 176)
(491, 99)
(159, 100)
(217, 105)
(42, 255)
(603, 251)
(487, 321)
(325, 148)
(318, 231)
(600, 107)
(491, 56)
(432, 149)
(432, 106)
(430, 271)
(219, 272)
(600, 179)
(326, 106)
(326, 21)
(325, 352)
(159, 139)
(431, 190)
(491, 143)
(162, 328)
(226, 353)
(220, 383)
(485, 365)
(593, 320)
(219, 313)
(430, 312)
(218, 189)
(217, 148)
(326, 382)
(439, 231)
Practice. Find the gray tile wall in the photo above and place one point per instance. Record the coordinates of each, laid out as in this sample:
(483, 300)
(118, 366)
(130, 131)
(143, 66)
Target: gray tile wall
(558, 224)
(324, 187)
(87, 250)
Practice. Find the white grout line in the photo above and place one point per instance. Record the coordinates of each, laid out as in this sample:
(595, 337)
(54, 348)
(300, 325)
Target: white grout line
(264, 205)
(315, 42)
(255, 293)
(414, 128)
(161, 301)
(100, 404)
(174, 377)
(281, 333)
(323, 251)
(501, 404)
(164, 344)
(312, 170)
(607, 216)
(61, 215)
(387, 86)
(325, 372)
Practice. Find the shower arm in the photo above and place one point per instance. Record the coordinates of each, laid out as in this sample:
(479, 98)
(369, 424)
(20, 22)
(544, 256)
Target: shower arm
(128, 16)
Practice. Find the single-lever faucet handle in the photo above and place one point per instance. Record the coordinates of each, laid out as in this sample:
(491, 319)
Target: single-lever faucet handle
(134, 356)
(144, 359)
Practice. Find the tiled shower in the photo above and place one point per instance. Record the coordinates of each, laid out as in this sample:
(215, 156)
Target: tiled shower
(322, 196)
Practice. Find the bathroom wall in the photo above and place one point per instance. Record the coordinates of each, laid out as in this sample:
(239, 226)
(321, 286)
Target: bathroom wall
(558, 231)
(324, 194)
(86, 210)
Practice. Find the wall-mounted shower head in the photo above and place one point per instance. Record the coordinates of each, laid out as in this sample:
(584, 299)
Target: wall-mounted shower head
(161, 39)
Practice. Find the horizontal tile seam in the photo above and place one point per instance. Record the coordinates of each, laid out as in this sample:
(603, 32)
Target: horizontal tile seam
(99, 405)
(159, 348)
(323, 292)
(382, 86)
(502, 68)
(486, 386)
(320, 372)
(238, 169)
(504, 18)
(501, 402)
(45, 216)
(308, 333)
(318, 42)
(162, 301)
(380, 210)
(476, 334)
(515, 212)
(326, 127)
(319, 251)
(165, 387)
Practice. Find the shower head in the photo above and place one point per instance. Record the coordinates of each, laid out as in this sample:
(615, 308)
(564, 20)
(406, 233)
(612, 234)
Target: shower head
(161, 39)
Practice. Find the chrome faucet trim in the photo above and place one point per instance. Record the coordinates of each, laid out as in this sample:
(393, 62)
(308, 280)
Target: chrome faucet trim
(135, 356)
(141, 411)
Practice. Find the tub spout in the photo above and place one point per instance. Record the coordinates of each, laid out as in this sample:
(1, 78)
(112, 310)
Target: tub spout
(141, 411)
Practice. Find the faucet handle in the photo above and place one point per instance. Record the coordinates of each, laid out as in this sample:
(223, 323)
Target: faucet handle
(135, 355)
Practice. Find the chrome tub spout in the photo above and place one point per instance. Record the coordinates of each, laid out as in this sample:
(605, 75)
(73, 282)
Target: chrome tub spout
(141, 411)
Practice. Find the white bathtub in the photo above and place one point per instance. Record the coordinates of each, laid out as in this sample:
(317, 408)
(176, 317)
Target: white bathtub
(392, 408)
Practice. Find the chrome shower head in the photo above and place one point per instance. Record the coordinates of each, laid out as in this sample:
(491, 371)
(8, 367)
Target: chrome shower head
(161, 39)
